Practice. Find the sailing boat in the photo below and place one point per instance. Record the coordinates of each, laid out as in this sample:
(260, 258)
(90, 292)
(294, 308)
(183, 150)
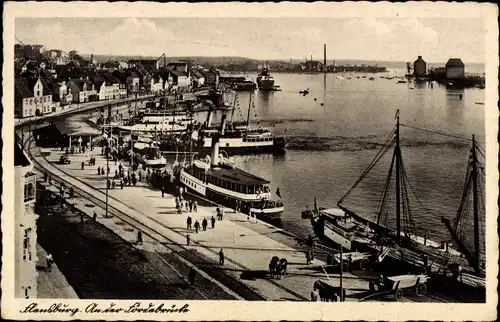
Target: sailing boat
(354, 228)
(472, 197)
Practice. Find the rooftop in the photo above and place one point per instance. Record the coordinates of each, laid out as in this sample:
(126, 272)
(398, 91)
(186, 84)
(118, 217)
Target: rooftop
(455, 62)
(237, 176)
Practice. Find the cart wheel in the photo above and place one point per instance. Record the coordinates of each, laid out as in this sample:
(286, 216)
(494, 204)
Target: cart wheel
(399, 294)
(421, 289)
(363, 265)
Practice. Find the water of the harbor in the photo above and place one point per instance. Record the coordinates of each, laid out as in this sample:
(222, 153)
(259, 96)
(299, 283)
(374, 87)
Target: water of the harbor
(334, 133)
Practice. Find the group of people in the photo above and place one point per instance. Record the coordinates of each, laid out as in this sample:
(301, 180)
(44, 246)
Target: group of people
(204, 224)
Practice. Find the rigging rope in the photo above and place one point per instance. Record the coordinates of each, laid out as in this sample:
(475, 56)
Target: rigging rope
(377, 157)
(435, 132)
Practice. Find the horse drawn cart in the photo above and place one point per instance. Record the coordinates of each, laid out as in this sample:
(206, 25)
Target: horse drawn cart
(277, 267)
(393, 286)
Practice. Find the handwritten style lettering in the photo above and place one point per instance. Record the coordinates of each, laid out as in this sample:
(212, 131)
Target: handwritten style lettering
(54, 308)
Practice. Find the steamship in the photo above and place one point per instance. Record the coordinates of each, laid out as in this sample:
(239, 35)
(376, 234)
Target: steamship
(265, 81)
(219, 180)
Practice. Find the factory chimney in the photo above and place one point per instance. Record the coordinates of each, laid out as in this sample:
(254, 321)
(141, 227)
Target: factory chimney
(324, 55)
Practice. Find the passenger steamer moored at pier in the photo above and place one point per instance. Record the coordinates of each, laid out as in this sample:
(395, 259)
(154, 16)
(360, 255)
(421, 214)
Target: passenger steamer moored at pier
(217, 179)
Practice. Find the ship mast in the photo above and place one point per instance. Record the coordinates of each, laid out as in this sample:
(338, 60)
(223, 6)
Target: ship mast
(234, 106)
(249, 106)
(475, 201)
(397, 152)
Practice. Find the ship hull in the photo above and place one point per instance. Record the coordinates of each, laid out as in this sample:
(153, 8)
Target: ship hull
(266, 85)
(224, 197)
(236, 146)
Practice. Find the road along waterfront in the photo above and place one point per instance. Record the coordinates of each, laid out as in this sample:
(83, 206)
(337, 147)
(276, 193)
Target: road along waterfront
(247, 246)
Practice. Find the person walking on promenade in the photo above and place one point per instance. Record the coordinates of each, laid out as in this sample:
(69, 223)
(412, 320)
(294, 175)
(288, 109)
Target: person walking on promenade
(196, 226)
(213, 222)
(99, 171)
(113, 184)
(109, 184)
(139, 237)
(83, 165)
(116, 173)
(189, 221)
(134, 180)
(195, 206)
(188, 239)
(140, 175)
(49, 260)
(308, 258)
(121, 184)
(186, 204)
(221, 257)
(94, 216)
(204, 223)
(218, 212)
(222, 213)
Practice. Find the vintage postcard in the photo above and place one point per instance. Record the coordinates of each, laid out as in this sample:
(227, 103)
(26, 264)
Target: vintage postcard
(250, 161)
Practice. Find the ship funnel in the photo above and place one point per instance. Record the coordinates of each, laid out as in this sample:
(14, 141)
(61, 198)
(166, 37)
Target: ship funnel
(209, 118)
(215, 150)
(223, 124)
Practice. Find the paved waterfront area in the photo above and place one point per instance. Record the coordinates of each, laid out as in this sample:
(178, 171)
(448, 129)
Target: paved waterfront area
(248, 247)
(101, 263)
(51, 284)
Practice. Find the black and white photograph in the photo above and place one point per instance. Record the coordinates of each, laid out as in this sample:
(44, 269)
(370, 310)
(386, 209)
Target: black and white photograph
(242, 160)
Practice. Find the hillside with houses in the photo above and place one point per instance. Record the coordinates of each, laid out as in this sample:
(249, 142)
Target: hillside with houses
(47, 81)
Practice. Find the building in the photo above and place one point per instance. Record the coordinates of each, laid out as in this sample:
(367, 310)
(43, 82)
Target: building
(419, 67)
(25, 236)
(82, 90)
(438, 72)
(455, 69)
(181, 79)
(197, 78)
(156, 84)
(32, 97)
(181, 66)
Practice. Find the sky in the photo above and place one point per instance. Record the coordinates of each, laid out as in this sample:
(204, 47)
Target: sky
(389, 39)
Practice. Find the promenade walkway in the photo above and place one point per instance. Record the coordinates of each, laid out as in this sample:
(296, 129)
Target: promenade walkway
(248, 247)
(76, 108)
(51, 284)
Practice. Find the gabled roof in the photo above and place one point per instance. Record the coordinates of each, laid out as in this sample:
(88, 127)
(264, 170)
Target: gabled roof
(98, 84)
(24, 87)
(455, 62)
(196, 73)
(77, 84)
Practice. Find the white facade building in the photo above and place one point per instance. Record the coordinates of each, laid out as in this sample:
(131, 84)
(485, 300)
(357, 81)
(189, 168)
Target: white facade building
(25, 226)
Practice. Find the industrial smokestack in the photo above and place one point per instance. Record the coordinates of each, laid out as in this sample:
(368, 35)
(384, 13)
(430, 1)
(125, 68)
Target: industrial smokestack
(324, 55)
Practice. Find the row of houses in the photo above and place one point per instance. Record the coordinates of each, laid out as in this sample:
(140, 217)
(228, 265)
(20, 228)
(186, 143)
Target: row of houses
(40, 92)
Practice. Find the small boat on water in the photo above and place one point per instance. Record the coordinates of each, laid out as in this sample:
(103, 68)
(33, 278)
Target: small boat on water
(305, 92)
(371, 78)
(401, 82)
